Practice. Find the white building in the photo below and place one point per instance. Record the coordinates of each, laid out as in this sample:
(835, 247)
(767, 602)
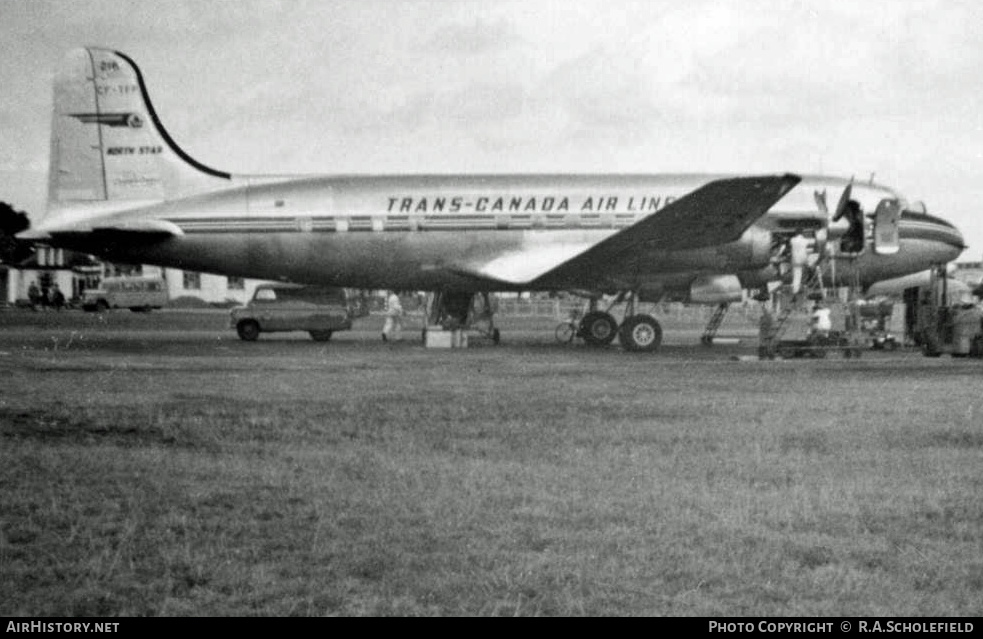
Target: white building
(209, 288)
(74, 273)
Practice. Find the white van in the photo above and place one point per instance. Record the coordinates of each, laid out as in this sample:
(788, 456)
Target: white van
(139, 294)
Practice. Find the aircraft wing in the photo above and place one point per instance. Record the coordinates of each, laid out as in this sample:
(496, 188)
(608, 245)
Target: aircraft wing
(716, 213)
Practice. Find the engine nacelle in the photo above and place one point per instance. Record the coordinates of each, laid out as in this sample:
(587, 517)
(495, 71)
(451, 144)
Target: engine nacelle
(716, 289)
(758, 244)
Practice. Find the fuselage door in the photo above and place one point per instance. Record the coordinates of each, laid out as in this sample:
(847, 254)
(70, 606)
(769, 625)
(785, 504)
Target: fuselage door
(886, 219)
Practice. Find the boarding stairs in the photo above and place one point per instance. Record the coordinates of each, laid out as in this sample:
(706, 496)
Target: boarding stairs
(813, 284)
(714, 324)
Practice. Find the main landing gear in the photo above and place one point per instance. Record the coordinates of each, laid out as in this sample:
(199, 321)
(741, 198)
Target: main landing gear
(638, 332)
(463, 310)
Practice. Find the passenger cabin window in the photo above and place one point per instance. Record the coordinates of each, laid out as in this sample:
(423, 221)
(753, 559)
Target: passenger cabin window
(265, 295)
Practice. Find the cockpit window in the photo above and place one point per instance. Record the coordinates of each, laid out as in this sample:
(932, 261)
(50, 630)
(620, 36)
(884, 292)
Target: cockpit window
(916, 216)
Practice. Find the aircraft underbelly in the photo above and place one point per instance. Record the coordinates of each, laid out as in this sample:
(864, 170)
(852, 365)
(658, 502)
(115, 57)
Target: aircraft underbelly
(406, 260)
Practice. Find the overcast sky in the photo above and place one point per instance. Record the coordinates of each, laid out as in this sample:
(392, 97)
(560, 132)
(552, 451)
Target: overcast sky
(890, 87)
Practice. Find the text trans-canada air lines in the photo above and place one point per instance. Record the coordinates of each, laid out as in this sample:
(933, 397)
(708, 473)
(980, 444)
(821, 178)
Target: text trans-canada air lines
(121, 188)
(527, 203)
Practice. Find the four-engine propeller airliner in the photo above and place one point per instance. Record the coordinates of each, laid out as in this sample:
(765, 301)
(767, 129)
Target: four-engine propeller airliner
(121, 188)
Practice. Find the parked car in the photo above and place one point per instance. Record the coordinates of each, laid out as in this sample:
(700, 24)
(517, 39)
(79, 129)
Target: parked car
(289, 307)
(139, 294)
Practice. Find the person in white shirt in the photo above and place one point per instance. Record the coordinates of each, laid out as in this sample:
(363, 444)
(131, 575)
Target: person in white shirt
(822, 323)
(393, 328)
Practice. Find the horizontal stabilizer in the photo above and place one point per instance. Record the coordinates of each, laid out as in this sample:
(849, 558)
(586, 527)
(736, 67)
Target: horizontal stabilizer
(142, 230)
(140, 226)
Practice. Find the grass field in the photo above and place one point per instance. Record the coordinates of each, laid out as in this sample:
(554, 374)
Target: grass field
(155, 465)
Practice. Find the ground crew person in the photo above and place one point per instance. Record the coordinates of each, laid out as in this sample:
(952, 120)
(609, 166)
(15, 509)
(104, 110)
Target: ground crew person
(57, 298)
(34, 295)
(799, 256)
(393, 328)
(822, 324)
(853, 240)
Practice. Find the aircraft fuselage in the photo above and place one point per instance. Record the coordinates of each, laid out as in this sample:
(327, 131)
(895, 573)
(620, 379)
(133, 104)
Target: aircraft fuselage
(432, 232)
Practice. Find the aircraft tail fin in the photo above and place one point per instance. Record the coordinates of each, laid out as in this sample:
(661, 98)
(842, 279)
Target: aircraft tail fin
(108, 147)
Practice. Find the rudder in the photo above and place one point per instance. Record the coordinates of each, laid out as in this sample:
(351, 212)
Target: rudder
(107, 143)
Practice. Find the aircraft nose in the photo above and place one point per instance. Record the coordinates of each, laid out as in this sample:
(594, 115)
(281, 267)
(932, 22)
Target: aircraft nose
(930, 227)
(961, 242)
(953, 236)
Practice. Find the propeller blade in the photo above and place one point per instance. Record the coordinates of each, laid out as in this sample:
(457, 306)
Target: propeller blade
(844, 200)
(820, 197)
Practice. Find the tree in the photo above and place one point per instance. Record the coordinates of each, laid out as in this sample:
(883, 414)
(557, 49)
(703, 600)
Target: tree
(13, 222)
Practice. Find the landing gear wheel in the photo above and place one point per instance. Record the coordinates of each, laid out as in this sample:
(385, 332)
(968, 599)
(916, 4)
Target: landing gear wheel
(598, 328)
(248, 330)
(321, 336)
(564, 332)
(640, 334)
